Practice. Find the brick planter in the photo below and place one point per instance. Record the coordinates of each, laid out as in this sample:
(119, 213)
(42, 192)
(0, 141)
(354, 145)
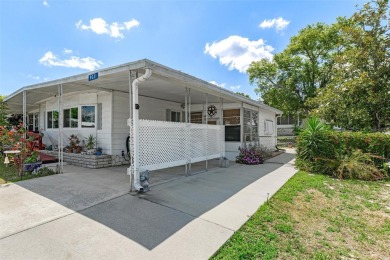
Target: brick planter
(82, 160)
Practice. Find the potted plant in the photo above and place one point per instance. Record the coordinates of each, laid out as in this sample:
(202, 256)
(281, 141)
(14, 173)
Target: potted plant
(74, 142)
(32, 162)
(90, 143)
(99, 151)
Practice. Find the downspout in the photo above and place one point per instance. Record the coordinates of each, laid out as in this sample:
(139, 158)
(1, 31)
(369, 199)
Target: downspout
(276, 130)
(136, 172)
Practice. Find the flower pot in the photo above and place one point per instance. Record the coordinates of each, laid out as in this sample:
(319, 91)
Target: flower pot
(91, 151)
(29, 167)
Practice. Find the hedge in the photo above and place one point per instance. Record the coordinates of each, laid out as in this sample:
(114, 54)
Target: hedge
(335, 145)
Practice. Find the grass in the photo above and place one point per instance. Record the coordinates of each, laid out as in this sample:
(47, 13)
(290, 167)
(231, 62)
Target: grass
(10, 173)
(317, 217)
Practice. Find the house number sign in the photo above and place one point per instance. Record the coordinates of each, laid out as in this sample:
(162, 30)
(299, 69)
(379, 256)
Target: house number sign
(93, 76)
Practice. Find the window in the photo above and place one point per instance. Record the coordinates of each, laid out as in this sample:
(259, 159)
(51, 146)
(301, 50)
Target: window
(175, 116)
(268, 127)
(88, 116)
(33, 122)
(231, 120)
(287, 120)
(71, 117)
(233, 133)
(196, 117)
(30, 122)
(52, 119)
(36, 122)
(250, 125)
(231, 117)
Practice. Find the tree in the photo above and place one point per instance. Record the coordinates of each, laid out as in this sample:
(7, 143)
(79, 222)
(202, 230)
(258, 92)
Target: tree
(243, 94)
(359, 96)
(3, 111)
(294, 75)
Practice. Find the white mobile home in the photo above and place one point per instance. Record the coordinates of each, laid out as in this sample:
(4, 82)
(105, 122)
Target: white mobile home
(173, 118)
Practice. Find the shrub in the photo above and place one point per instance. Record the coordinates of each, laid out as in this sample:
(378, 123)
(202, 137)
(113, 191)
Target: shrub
(358, 165)
(44, 171)
(251, 156)
(342, 153)
(312, 141)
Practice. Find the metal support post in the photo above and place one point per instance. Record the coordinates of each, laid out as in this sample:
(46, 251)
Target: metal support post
(189, 121)
(207, 132)
(60, 139)
(131, 78)
(242, 124)
(186, 121)
(24, 114)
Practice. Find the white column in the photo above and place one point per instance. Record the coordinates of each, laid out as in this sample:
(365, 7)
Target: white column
(207, 132)
(187, 143)
(24, 114)
(189, 121)
(130, 112)
(221, 123)
(242, 124)
(60, 139)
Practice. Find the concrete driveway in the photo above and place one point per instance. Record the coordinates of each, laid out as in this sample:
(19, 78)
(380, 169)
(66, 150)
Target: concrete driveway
(89, 214)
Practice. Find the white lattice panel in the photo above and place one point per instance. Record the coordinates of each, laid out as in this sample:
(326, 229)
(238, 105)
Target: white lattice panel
(166, 144)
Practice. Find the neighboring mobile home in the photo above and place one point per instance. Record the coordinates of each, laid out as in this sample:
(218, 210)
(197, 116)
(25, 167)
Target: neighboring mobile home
(177, 118)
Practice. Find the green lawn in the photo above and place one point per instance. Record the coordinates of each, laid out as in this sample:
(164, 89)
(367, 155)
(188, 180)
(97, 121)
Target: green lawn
(10, 173)
(317, 217)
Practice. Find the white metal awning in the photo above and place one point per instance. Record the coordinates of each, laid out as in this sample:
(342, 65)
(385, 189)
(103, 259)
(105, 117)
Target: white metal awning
(165, 83)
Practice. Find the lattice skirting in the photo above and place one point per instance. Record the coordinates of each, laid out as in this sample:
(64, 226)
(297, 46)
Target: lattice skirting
(167, 144)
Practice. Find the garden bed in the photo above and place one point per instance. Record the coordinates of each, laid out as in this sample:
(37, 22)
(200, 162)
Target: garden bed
(83, 160)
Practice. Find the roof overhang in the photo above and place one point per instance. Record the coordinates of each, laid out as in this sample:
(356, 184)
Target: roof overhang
(165, 83)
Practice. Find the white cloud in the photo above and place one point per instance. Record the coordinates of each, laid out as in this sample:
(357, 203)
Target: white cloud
(130, 24)
(278, 23)
(45, 3)
(221, 85)
(238, 52)
(33, 77)
(100, 26)
(67, 51)
(234, 88)
(88, 63)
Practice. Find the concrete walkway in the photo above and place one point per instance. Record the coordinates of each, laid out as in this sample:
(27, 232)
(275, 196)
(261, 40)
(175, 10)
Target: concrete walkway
(61, 217)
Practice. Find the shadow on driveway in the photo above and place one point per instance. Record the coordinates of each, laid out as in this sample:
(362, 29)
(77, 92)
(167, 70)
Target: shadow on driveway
(148, 219)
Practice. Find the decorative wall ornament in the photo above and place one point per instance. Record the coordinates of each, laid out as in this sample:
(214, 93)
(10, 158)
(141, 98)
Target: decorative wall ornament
(211, 110)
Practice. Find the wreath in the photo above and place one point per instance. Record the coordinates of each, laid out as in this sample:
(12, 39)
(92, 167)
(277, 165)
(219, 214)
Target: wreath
(211, 110)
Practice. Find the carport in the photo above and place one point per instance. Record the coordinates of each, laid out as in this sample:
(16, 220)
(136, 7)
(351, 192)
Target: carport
(154, 144)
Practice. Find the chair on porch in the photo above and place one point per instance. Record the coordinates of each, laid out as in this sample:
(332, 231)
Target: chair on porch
(36, 143)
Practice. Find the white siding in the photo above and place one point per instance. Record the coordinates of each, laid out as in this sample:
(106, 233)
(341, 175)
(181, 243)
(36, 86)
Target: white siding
(266, 139)
(115, 112)
(103, 136)
(120, 114)
(150, 108)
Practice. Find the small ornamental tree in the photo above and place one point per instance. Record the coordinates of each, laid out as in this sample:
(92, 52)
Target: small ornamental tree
(12, 139)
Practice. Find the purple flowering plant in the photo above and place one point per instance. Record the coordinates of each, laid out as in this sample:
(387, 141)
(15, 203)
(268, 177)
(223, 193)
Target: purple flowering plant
(251, 155)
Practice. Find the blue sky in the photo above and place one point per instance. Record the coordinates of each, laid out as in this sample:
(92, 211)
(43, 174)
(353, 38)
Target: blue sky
(212, 40)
